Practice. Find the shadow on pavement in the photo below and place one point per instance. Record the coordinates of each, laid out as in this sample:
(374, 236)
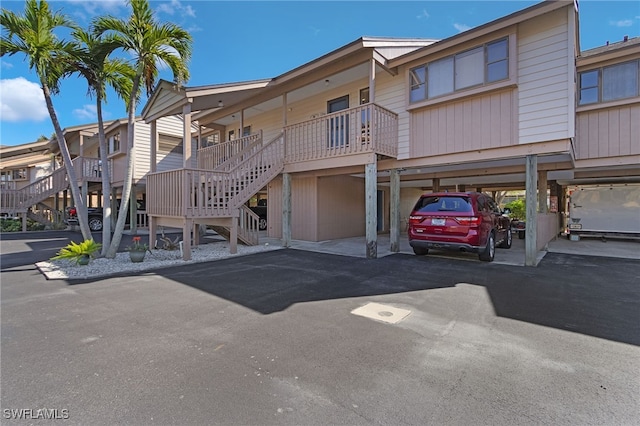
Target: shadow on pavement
(564, 292)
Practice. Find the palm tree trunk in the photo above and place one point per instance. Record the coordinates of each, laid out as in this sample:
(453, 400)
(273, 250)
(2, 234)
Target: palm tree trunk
(106, 180)
(66, 157)
(128, 179)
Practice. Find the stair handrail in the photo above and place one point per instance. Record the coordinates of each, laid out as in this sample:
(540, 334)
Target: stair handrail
(233, 145)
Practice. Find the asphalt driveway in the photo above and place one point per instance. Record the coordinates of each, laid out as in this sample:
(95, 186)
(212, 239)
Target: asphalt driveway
(270, 339)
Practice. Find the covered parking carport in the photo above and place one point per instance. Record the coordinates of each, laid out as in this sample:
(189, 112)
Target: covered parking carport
(537, 174)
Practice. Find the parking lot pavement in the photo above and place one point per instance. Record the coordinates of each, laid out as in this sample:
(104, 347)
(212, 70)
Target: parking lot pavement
(270, 339)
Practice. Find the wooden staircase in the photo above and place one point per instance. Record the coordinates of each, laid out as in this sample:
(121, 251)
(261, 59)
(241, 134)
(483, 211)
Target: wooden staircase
(13, 201)
(206, 195)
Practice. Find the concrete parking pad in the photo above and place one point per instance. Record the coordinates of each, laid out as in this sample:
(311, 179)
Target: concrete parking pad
(270, 339)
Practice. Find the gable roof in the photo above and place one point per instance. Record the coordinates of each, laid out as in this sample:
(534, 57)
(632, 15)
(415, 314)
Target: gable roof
(479, 31)
(168, 98)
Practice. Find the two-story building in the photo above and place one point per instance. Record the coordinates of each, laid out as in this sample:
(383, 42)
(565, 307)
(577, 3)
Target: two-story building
(344, 144)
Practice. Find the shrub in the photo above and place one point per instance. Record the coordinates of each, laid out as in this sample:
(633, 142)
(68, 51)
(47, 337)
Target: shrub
(518, 209)
(77, 252)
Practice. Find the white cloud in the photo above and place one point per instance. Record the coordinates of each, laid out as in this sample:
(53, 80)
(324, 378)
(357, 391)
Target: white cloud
(92, 7)
(461, 27)
(176, 7)
(622, 23)
(424, 14)
(22, 100)
(5, 64)
(88, 112)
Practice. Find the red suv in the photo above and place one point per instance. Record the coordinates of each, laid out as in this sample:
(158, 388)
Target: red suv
(461, 221)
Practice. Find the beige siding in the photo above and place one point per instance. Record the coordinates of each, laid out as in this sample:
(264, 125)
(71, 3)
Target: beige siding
(608, 133)
(545, 93)
(304, 209)
(270, 122)
(165, 98)
(171, 126)
(390, 94)
(408, 199)
(341, 209)
(478, 123)
(316, 106)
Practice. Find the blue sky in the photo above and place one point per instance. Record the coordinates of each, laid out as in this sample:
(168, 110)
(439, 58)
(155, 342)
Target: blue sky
(242, 40)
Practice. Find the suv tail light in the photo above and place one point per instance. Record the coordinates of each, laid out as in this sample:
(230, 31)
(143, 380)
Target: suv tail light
(72, 212)
(469, 220)
(414, 220)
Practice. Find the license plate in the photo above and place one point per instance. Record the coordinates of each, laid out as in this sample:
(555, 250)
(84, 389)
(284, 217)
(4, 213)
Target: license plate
(575, 226)
(438, 222)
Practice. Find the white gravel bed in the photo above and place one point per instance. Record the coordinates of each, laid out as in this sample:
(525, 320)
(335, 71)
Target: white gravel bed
(64, 269)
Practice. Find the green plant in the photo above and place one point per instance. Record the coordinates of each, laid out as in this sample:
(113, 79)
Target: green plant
(137, 246)
(10, 225)
(77, 252)
(518, 209)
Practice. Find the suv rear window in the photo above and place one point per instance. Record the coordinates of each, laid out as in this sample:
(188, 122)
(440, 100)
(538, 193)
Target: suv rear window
(443, 204)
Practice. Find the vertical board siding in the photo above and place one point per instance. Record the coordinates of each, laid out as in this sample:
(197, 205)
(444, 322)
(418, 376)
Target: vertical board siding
(341, 207)
(481, 122)
(390, 94)
(543, 49)
(304, 209)
(609, 132)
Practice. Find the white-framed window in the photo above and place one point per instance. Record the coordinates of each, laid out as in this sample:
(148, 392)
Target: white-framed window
(611, 83)
(210, 140)
(481, 65)
(15, 174)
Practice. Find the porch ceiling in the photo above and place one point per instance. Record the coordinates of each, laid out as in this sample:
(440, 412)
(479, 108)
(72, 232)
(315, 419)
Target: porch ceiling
(342, 78)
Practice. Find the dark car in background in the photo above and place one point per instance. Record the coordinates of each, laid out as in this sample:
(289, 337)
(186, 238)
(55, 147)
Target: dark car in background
(261, 211)
(95, 214)
(460, 221)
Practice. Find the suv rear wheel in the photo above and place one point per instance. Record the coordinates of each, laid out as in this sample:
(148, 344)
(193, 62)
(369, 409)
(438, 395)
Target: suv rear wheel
(419, 251)
(489, 251)
(95, 223)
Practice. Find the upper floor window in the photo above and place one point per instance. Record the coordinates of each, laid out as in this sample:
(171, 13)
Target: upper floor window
(619, 81)
(481, 65)
(16, 174)
(114, 143)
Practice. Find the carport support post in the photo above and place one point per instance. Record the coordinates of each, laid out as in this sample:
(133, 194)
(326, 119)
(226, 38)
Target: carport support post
(286, 210)
(530, 252)
(542, 192)
(435, 185)
(394, 215)
(371, 208)
(233, 236)
(187, 226)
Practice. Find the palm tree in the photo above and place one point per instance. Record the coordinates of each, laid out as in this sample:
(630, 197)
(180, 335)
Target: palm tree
(92, 62)
(151, 44)
(32, 34)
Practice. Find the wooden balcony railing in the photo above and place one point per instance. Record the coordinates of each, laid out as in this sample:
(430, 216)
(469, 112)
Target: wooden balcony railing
(212, 156)
(364, 129)
(198, 193)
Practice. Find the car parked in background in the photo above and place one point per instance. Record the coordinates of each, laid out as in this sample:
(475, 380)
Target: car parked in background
(261, 211)
(95, 214)
(460, 221)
